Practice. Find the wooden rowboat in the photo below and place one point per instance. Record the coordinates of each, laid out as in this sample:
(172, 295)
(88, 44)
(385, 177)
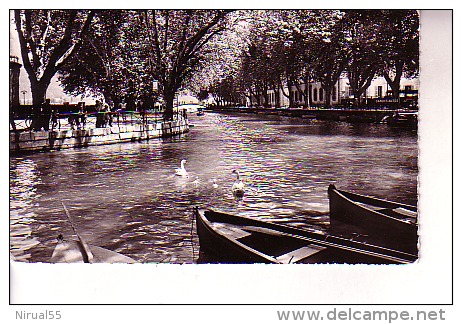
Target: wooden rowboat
(76, 251)
(391, 222)
(237, 239)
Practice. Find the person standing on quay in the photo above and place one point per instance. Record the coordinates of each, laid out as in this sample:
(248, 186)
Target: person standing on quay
(107, 116)
(54, 118)
(82, 115)
(99, 114)
(122, 110)
(142, 110)
(46, 115)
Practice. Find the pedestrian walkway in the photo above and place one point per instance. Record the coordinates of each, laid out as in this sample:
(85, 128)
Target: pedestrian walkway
(71, 135)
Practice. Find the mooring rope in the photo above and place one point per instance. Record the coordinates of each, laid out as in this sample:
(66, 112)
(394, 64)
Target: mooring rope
(192, 232)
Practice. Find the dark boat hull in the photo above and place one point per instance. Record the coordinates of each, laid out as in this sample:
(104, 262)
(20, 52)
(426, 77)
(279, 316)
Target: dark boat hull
(403, 120)
(235, 239)
(388, 221)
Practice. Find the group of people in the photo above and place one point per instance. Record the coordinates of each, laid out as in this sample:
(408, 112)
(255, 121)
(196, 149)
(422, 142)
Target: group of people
(45, 115)
(42, 116)
(103, 115)
(78, 120)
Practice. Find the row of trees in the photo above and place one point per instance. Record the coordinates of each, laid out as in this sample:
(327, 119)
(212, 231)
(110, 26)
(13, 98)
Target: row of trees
(116, 53)
(286, 49)
(151, 54)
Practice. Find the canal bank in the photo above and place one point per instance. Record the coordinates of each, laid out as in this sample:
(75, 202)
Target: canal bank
(31, 141)
(348, 115)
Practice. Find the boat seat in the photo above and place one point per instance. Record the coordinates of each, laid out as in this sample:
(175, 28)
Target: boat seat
(406, 212)
(371, 207)
(299, 254)
(235, 232)
(403, 214)
(262, 230)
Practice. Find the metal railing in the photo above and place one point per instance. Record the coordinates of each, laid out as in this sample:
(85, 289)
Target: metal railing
(67, 121)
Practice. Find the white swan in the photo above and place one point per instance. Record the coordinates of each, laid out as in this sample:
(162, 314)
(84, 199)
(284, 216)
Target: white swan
(238, 185)
(214, 185)
(181, 171)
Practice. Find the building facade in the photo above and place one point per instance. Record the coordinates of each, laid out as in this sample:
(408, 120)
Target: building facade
(377, 94)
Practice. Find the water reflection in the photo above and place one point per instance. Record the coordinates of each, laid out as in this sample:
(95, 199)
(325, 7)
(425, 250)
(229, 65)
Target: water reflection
(24, 179)
(127, 198)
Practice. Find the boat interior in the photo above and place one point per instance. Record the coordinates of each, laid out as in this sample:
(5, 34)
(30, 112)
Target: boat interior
(284, 248)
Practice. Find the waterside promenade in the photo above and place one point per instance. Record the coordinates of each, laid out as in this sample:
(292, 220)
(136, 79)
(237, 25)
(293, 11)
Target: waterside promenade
(66, 137)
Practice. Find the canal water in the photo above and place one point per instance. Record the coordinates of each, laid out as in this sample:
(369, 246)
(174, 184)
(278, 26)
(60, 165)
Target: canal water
(126, 197)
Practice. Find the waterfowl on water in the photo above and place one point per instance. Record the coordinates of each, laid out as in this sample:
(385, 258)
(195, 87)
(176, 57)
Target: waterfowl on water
(238, 185)
(196, 182)
(214, 185)
(181, 171)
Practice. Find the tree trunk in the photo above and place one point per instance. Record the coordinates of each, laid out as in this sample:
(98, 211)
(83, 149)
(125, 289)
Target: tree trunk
(258, 98)
(251, 94)
(310, 98)
(307, 93)
(328, 96)
(277, 97)
(169, 97)
(301, 93)
(357, 98)
(289, 89)
(38, 93)
(265, 95)
(38, 90)
(395, 83)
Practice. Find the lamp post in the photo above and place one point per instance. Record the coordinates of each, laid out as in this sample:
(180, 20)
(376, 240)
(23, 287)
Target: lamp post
(24, 96)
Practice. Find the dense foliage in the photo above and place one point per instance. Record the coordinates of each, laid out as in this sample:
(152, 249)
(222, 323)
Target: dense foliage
(113, 61)
(150, 55)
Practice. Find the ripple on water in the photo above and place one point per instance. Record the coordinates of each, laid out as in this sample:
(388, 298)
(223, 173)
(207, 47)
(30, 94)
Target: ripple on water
(126, 197)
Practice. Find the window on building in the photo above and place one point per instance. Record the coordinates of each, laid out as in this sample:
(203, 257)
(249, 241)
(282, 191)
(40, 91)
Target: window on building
(334, 94)
(321, 94)
(315, 94)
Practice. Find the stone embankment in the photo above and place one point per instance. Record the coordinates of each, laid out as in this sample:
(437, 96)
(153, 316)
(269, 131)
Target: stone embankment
(29, 141)
(370, 115)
